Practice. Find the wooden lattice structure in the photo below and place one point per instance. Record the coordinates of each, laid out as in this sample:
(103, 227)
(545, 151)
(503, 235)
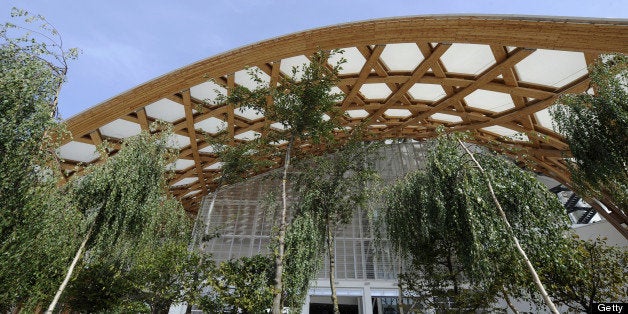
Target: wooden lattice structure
(493, 75)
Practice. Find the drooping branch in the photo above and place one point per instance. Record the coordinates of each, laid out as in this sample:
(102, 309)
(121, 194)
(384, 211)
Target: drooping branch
(523, 254)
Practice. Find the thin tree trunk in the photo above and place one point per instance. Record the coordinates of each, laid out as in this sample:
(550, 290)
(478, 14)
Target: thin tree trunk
(281, 237)
(507, 299)
(17, 309)
(400, 304)
(452, 272)
(332, 266)
(55, 101)
(77, 256)
(535, 276)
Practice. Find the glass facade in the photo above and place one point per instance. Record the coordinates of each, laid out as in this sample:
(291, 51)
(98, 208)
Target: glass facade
(245, 225)
(366, 269)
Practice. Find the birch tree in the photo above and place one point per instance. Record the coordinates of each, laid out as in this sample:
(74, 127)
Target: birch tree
(299, 102)
(330, 188)
(38, 223)
(445, 220)
(596, 128)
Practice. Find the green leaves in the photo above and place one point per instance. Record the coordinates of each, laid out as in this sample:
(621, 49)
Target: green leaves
(39, 226)
(120, 195)
(304, 245)
(239, 160)
(244, 283)
(301, 103)
(332, 186)
(588, 271)
(596, 129)
(442, 220)
(140, 233)
(298, 102)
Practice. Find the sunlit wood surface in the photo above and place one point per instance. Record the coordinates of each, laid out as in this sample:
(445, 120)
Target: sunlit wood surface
(492, 75)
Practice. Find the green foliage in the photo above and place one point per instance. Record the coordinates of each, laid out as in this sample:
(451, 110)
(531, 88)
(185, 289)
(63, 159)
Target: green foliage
(140, 249)
(27, 89)
(443, 219)
(163, 270)
(120, 196)
(239, 160)
(304, 245)
(332, 186)
(596, 128)
(99, 286)
(38, 222)
(166, 274)
(43, 43)
(299, 101)
(33, 259)
(590, 271)
(243, 284)
(329, 189)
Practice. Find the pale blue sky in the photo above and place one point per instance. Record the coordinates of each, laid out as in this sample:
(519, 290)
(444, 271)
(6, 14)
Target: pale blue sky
(127, 42)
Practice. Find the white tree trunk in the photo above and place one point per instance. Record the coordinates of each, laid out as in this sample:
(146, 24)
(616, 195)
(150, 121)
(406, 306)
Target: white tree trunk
(77, 256)
(281, 237)
(535, 276)
(332, 266)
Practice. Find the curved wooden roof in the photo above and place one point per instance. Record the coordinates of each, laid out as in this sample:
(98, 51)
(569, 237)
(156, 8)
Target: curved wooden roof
(495, 75)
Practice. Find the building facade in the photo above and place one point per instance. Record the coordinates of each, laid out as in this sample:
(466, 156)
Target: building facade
(366, 269)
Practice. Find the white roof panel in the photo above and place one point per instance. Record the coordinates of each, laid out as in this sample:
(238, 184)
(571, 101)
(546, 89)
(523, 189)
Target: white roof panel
(468, 58)
(544, 118)
(287, 65)
(215, 166)
(207, 92)
(398, 113)
(375, 91)
(357, 113)
(355, 61)
(185, 181)
(278, 126)
(402, 57)
(211, 125)
(178, 141)
(429, 92)
(78, 151)
(446, 117)
(489, 100)
(248, 135)
(180, 164)
(166, 110)
(243, 78)
(552, 67)
(209, 149)
(120, 129)
(248, 113)
(191, 193)
(506, 132)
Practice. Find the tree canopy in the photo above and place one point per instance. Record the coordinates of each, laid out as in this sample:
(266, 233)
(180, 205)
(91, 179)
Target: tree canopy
(305, 105)
(241, 285)
(38, 224)
(589, 271)
(442, 218)
(596, 128)
(139, 235)
(330, 189)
